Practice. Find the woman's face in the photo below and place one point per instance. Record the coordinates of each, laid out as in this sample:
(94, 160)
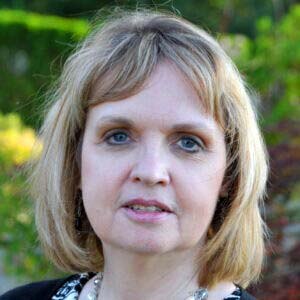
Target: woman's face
(157, 145)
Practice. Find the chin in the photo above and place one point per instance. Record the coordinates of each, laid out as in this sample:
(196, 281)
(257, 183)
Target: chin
(149, 249)
(145, 246)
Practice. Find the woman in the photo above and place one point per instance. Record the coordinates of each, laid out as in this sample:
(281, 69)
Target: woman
(152, 169)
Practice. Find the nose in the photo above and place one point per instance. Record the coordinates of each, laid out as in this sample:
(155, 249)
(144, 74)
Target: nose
(151, 168)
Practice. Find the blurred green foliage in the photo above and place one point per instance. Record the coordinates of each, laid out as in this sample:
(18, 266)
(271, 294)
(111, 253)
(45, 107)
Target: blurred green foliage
(32, 51)
(16, 141)
(32, 48)
(273, 66)
(271, 63)
(22, 256)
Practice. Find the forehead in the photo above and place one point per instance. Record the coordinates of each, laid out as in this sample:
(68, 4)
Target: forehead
(166, 96)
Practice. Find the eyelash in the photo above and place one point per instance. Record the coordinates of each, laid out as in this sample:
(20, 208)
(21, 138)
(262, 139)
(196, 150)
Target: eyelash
(183, 137)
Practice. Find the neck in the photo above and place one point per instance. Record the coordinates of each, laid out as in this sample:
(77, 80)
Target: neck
(135, 276)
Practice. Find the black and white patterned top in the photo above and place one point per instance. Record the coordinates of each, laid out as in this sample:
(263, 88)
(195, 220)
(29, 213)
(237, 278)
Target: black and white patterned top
(72, 288)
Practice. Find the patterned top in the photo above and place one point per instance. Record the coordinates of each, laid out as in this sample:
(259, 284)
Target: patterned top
(72, 288)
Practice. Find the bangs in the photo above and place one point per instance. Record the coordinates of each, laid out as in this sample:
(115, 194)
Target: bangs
(132, 56)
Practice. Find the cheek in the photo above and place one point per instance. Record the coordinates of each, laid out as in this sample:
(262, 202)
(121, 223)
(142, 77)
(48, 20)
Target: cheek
(93, 177)
(201, 182)
(97, 190)
(101, 180)
(97, 171)
(198, 204)
(198, 192)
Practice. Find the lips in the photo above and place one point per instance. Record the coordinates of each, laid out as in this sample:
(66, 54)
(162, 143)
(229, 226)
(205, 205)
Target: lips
(147, 203)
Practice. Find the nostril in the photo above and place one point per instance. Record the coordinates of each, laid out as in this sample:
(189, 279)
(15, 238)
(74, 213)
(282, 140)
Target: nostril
(150, 174)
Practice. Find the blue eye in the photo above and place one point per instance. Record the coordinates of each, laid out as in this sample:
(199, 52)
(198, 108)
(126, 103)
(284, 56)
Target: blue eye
(117, 138)
(190, 144)
(187, 143)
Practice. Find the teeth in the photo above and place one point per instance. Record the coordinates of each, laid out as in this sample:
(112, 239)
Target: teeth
(145, 208)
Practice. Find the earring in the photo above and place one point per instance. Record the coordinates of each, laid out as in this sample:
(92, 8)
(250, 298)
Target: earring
(82, 224)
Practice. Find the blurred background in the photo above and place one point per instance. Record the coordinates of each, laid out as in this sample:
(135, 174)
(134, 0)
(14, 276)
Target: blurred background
(261, 36)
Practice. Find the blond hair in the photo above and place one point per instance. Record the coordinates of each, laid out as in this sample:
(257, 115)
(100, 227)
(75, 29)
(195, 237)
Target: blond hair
(120, 55)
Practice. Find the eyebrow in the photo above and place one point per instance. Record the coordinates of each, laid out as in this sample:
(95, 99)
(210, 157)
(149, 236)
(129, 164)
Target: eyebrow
(110, 119)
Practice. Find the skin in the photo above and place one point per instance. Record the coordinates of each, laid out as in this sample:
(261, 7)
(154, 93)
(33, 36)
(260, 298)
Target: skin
(182, 168)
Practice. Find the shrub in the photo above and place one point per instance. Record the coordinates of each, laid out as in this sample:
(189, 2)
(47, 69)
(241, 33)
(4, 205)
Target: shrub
(21, 253)
(32, 48)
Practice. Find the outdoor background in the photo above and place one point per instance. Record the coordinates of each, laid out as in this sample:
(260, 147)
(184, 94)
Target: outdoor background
(262, 37)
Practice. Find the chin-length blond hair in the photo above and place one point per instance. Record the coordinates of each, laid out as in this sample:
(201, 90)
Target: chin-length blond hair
(119, 55)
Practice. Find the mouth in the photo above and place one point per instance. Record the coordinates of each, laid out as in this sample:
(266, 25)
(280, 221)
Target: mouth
(149, 206)
(147, 211)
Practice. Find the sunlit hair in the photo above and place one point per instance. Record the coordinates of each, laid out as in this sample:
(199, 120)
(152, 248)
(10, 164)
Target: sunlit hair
(118, 56)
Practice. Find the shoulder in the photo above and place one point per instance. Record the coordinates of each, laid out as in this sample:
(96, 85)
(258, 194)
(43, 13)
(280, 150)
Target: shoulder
(37, 290)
